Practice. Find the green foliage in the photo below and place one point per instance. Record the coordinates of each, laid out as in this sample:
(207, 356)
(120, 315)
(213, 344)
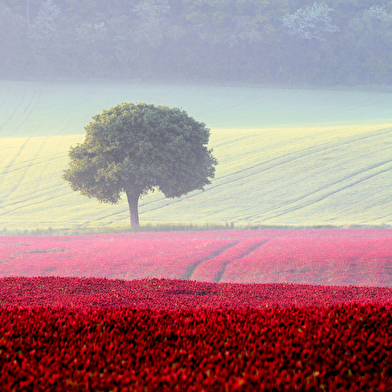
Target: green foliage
(269, 143)
(139, 148)
(198, 40)
(227, 22)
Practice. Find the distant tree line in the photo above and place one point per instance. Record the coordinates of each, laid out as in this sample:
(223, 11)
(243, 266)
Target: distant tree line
(337, 42)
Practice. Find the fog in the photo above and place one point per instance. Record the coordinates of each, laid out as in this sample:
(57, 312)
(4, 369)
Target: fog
(41, 109)
(297, 43)
(233, 64)
(283, 259)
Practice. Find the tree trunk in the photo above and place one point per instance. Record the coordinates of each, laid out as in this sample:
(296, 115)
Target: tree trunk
(133, 199)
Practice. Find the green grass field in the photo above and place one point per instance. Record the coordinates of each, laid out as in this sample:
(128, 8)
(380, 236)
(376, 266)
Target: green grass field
(286, 157)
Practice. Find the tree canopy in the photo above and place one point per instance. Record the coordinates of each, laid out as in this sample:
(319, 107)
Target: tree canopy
(334, 42)
(141, 148)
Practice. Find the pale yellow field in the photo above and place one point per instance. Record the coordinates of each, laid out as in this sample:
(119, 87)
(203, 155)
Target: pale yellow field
(301, 176)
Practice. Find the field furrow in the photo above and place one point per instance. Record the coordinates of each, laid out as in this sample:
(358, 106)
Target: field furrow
(212, 270)
(294, 158)
(330, 189)
(323, 257)
(6, 126)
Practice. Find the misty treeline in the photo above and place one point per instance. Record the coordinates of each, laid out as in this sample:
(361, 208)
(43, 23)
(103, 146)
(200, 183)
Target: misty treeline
(337, 42)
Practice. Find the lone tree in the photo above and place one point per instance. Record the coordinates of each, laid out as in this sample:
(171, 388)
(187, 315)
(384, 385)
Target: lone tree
(140, 148)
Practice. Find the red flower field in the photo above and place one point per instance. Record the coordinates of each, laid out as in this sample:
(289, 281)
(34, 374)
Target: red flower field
(215, 311)
(360, 257)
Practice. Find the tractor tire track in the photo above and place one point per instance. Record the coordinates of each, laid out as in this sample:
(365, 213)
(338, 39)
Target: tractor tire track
(14, 112)
(365, 104)
(307, 152)
(30, 112)
(51, 195)
(191, 268)
(29, 163)
(270, 165)
(15, 157)
(322, 197)
(31, 100)
(212, 268)
(6, 97)
(251, 249)
(24, 173)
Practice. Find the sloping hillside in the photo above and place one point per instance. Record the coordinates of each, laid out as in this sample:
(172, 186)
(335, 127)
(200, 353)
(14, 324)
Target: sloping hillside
(42, 109)
(301, 175)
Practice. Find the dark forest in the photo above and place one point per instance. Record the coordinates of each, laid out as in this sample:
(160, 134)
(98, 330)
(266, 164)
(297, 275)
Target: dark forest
(242, 41)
